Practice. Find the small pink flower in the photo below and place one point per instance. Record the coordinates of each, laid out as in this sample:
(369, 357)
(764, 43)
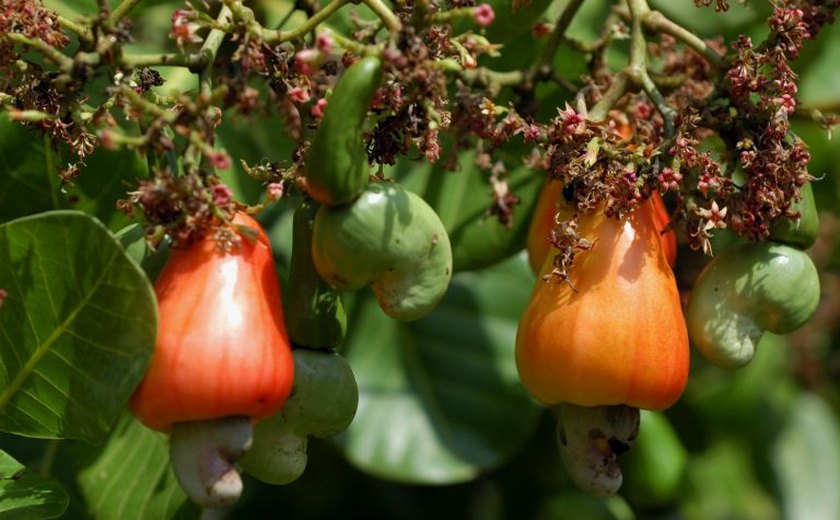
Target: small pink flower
(298, 95)
(324, 42)
(275, 191)
(317, 110)
(222, 195)
(484, 15)
(3, 295)
(183, 29)
(219, 160)
(307, 61)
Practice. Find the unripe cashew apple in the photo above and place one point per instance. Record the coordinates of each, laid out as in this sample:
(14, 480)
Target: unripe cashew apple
(745, 290)
(388, 238)
(323, 403)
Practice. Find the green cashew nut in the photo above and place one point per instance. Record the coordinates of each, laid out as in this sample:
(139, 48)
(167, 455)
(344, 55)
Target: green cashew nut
(802, 233)
(388, 238)
(337, 165)
(315, 315)
(745, 290)
(323, 403)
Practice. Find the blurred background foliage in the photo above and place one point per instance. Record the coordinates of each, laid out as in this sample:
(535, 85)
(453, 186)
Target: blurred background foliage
(444, 430)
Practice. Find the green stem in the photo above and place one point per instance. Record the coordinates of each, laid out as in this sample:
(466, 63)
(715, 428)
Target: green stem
(122, 10)
(542, 67)
(209, 50)
(80, 30)
(51, 53)
(656, 21)
(48, 459)
(637, 70)
(611, 96)
(385, 14)
(271, 36)
(194, 61)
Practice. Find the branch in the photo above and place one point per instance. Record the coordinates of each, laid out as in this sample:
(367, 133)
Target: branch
(542, 67)
(122, 10)
(385, 14)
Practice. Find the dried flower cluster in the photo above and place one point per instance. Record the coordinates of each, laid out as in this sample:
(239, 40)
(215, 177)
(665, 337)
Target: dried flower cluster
(436, 101)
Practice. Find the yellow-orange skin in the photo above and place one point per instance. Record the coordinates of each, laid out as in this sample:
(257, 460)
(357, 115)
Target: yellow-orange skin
(222, 348)
(539, 246)
(620, 338)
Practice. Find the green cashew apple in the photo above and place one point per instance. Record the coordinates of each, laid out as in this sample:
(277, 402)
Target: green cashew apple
(391, 239)
(745, 290)
(802, 233)
(323, 403)
(655, 467)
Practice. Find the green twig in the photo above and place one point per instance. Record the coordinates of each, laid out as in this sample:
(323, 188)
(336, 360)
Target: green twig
(122, 10)
(195, 61)
(210, 48)
(80, 30)
(51, 53)
(637, 70)
(274, 37)
(385, 14)
(611, 96)
(543, 66)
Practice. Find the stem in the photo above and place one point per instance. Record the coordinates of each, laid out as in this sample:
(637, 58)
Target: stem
(611, 96)
(210, 48)
(542, 67)
(146, 106)
(303, 29)
(48, 459)
(656, 21)
(637, 70)
(193, 61)
(385, 14)
(122, 10)
(51, 53)
(80, 30)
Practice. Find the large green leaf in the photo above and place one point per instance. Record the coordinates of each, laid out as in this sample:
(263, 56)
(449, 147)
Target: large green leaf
(806, 460)
(440, 400)
(77, 326)
(131, 478)
(30, 184)
(24, 495)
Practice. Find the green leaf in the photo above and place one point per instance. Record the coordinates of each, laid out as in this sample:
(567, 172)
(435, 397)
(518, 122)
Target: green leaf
(440, 399)
(24, 495)
(131, 478)
(133, 240)
(77, 326)
(30, 182)
(806, 459)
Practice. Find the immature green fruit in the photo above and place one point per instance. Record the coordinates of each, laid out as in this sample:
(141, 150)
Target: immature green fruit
(802, 233)
(656, 464)
(337, 166)
(388, 238)
(315, 315)
(323, 403)
(745, 290)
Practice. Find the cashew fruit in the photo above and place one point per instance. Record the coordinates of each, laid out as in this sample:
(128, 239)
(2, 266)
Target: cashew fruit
(323, 403)
(391, 239)
(745, 290)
